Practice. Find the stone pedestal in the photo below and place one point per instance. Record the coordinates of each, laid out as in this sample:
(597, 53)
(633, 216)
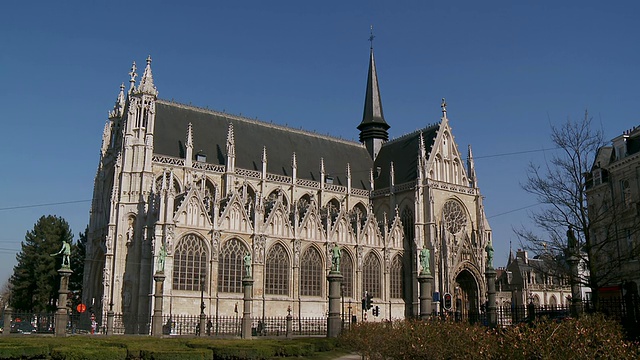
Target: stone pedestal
(426, 286)
(62, 314)
(156, 320)
(8, 315)
(576, 294)
(334, 323)
(492, 318)
(247, 285)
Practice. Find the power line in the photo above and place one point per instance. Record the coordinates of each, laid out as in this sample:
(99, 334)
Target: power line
(41, 205)
(512, 211)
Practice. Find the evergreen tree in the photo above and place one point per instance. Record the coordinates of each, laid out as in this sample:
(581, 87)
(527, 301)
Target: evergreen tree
(35, 281)
(78, 252)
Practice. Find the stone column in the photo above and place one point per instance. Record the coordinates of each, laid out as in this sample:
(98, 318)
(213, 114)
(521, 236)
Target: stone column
(576, 294)
(247, 285)
(334, 323)
(492, 318)
(156, 321)
(289, 323)
(426, 285)
(8, 314)
(110, 316)
(62, 315)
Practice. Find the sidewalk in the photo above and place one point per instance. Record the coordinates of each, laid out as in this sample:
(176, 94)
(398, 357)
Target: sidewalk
(350, 357)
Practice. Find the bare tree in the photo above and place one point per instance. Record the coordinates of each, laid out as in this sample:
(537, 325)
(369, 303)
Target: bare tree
(559, 185)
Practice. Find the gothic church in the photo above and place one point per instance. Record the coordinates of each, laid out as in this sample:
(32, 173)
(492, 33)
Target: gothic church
(189, 192)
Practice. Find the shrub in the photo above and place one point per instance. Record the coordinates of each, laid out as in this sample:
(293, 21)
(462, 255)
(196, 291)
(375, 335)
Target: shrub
(24, 352)
(86, 353)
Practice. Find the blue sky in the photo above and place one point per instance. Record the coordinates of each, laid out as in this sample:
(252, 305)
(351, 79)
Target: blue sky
(508, 70)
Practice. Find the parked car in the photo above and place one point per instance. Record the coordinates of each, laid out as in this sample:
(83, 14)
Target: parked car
(23, 327)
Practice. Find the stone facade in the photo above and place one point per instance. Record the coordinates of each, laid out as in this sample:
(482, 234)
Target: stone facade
(613, 198)
(190, 192)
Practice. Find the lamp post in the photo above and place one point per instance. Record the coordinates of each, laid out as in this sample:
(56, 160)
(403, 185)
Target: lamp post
(342, 295)
(202, 315)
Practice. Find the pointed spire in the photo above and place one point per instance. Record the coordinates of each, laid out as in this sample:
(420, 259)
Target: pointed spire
(322, 166)
(231, 142)
(471, 169)
(264, 154)
(118, 108)
(392, 174)
(294, 161)
(146, 83)
(132, 79)
(510, 254)
(373, 128)
(443, 105)
(373, 124)
(421, 148)
(348, 171)
(190, 136)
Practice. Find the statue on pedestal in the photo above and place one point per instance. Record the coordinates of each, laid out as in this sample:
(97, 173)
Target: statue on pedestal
(489, 250)
(247, 265)
(66, 253)
(162, 256)
(335, 258)
(425, 257)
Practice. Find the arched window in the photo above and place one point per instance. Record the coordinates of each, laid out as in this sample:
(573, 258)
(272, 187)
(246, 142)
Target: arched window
(371, 275)
(396, 277)
(189, 264)
(346, 269)
(230, 266)
(276, 274)
(311, 273)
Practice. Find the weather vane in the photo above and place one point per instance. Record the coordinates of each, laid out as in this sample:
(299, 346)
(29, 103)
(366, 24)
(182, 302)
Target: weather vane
(371, 37)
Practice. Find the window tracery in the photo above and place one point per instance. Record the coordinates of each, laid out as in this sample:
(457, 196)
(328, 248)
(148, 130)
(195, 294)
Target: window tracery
(311, 273)
(454, 216)
(230, 266)
(189, 264)
(277, 268)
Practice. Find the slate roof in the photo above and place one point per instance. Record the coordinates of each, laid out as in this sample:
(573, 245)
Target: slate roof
(210, 137)
(403, 151)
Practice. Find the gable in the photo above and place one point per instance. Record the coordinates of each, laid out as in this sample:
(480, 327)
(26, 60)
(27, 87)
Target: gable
(192, 211)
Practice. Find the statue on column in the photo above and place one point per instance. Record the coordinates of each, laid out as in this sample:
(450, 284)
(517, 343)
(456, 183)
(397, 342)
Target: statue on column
(162, 256)
(335, 258)
(66, 253)
(572, 242)
(247, 265)
(425, 257)
(489, 250)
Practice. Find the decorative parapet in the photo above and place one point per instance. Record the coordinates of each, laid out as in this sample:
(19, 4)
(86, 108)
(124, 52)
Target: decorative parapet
(360, 192)
(451, 187)
(308, 183)
(169, 160)
(249, 173)
(220, 169)
(279, 178)
(207, 166)
(336, 188)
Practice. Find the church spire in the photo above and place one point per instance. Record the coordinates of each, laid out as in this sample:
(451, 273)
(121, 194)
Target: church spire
(373, 128)
(118, 108)
(471, 169)
(146, 83)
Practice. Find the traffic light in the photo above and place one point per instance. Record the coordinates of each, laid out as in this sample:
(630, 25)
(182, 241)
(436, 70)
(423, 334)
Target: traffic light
(376, 311)
(368, 301)
(447, 301)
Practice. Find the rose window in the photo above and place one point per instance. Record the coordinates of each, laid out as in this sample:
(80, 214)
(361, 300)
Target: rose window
(454, 216)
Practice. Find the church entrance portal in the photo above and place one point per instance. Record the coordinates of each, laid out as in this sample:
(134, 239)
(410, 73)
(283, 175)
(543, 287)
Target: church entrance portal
(466, 296)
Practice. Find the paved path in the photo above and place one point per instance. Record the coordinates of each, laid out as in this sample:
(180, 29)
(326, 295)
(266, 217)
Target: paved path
(350, 357)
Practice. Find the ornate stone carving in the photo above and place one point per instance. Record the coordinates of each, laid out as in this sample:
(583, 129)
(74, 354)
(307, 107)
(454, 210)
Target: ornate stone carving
(215, 241)
(258, 248)
(296, 252)
(454, 216)
(169, 242)
(359, 254)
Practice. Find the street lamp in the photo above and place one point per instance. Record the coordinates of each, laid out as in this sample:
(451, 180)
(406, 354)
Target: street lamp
(202, 316)
(202, 279)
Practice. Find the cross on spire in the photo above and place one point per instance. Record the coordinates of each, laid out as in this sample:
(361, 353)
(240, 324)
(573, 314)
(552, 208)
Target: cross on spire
(443, 105)
(371, 37)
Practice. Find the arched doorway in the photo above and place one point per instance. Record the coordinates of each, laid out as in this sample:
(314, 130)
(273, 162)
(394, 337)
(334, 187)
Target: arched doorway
(466, 296)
